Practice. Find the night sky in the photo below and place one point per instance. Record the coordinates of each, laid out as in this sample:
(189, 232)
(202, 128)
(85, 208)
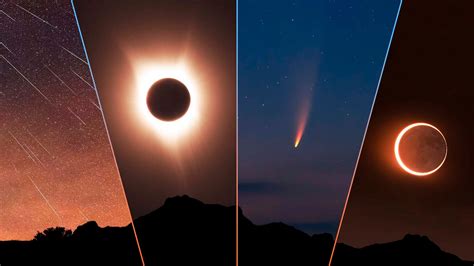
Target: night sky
(193, 43)
(330, 52)
(427, 78)
(56, 165)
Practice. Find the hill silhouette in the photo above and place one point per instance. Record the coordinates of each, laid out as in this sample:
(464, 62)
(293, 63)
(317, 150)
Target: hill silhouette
(280, 244)
(411, 250)
(185, 231)
(89, 244)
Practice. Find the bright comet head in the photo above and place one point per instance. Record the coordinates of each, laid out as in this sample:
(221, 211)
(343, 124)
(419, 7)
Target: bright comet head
(299, 135)
(303, 116)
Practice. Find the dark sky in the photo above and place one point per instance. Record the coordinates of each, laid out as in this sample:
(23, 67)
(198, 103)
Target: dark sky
(329, 53)
(194, 43)
(428, 77)
(56, 165)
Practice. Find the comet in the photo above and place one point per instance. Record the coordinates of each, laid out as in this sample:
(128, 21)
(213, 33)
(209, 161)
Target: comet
(303, 116)
(299, 133)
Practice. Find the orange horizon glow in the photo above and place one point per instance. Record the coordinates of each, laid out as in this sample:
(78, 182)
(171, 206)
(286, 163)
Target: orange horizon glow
(397, 147)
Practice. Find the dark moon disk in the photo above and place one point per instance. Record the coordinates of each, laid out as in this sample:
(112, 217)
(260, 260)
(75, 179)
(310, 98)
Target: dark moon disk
(168, 99)
(423, 149)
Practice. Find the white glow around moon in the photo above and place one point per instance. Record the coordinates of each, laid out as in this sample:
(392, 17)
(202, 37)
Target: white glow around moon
(397, 146)
(148, 73)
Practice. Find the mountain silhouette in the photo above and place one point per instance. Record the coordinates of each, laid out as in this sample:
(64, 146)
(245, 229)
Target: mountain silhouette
(88, 245)
(185, 231)
(280, 244)
(411, 250)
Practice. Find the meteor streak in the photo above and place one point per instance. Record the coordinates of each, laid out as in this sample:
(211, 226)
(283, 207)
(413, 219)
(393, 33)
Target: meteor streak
(62, 81)
(45, 199)
(98, 107)
(37, 141)
(21, 146)
(3, 12)
(73, 54)
(25, 78)
(85, 81)
(42, 20)
(84, 216)
(34, 155)
(14, 167)
(8, 49)
(79, 118)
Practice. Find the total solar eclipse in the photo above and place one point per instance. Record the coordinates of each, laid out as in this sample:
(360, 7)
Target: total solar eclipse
(168, 99)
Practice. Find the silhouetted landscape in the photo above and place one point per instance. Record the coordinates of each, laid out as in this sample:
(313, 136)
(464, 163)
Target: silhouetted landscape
(185, 231)
(411, 250)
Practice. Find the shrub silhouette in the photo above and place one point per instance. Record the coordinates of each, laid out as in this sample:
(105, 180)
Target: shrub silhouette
(53, 234)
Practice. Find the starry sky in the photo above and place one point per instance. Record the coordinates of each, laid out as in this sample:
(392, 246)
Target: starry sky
(385, 202)
(327, 53)
(56, 161)
(56, 165)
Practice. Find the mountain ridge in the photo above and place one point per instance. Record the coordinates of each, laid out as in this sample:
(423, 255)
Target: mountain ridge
(205, 233)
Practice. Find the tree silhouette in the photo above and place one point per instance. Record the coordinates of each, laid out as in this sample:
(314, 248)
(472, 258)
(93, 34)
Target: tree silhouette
(53, 234)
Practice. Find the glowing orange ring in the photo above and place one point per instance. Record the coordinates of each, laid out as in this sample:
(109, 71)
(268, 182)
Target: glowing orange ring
(399, 159)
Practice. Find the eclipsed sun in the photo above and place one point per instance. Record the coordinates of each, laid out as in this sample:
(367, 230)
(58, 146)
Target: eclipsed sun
(168, 99)
(420, 149)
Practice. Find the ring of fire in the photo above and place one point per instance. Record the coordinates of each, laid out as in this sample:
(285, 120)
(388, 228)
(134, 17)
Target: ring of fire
(402, 164)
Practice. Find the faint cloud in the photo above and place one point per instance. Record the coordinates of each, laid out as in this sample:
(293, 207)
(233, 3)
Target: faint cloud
(260, 187)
